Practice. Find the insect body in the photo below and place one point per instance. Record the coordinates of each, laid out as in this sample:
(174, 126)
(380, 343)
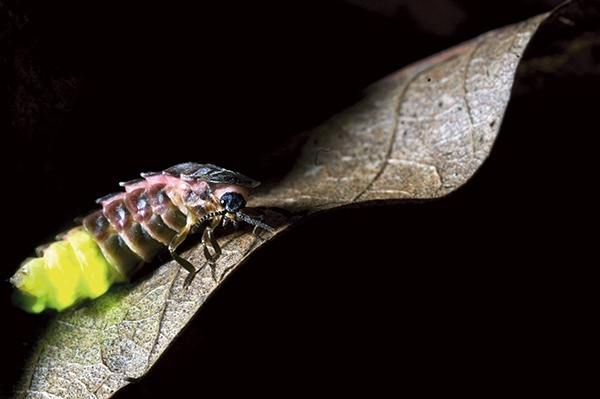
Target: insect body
(154, 213)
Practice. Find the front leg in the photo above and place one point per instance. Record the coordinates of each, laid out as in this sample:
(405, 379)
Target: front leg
(175, 242)
(209, 241)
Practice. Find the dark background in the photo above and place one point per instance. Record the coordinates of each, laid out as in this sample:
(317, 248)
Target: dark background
(441, 296)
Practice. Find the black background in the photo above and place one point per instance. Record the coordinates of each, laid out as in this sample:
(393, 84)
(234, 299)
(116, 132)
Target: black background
(443, 296)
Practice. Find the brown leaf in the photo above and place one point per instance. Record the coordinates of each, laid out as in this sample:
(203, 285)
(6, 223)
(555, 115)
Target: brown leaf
(420, 133)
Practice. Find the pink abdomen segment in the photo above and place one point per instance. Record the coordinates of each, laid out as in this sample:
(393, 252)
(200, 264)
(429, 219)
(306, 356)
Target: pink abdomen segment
(134, 227)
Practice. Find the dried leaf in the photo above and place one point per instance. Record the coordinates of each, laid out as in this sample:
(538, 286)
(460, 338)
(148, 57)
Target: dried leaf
(421, 133)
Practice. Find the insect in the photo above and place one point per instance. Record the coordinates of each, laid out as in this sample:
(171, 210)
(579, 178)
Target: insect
(153, 214)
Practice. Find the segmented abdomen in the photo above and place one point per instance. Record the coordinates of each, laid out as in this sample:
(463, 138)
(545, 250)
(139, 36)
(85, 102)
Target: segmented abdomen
(134, 227)
(130, 229)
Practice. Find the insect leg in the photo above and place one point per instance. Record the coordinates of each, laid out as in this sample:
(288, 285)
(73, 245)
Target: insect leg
(175, 242)
(209, 240)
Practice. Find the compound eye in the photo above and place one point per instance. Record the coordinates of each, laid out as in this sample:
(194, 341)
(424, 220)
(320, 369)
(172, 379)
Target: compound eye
(233, 202)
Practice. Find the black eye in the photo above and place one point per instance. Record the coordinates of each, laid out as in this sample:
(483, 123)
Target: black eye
(233, 202)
